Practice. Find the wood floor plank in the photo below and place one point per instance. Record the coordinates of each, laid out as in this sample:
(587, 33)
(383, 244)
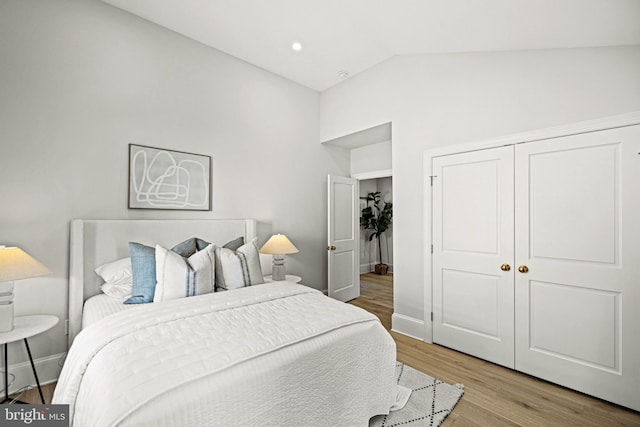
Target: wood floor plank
(32, 396)
(469, 414)
(494, 395)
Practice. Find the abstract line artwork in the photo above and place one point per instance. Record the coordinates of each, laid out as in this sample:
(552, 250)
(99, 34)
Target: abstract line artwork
(167, 179)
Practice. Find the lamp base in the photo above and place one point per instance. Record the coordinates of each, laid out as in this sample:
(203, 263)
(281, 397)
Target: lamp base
(6, 315)
(6, 306)
(6, 287)
(278, 271)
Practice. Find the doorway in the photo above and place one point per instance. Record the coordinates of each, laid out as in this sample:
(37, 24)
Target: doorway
(366, 157)
(376, 290)
(370, 252)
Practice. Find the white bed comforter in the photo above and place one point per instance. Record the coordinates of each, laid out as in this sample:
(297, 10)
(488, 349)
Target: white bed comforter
(272, 355)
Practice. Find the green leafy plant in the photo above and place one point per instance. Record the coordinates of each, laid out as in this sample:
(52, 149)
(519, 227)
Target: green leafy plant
(376, 217)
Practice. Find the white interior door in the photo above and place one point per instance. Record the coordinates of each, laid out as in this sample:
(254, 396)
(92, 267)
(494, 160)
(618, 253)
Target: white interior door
(577, 208)
(472, 244)
(342, 242)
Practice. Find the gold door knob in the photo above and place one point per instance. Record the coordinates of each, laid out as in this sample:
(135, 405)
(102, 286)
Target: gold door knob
(505, 267)
(523, 269)
(331, 248)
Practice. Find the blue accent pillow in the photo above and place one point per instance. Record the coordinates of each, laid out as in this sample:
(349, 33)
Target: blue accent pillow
(143, 273)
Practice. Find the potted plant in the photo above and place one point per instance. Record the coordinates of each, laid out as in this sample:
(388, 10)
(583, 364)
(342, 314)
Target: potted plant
(378, 219)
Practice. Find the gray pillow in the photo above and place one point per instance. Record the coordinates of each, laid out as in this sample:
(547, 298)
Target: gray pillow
(234, 244)
(238, 268)
(195, 244)
(189, 247)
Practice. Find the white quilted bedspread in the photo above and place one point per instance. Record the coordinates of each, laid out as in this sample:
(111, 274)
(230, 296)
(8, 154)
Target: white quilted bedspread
(277, 354)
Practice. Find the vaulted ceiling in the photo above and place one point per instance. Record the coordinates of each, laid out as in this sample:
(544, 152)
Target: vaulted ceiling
(341, 37)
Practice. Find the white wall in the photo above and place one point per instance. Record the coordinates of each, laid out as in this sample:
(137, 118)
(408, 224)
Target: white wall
(80, 80)
(371, 158)
(438, 100)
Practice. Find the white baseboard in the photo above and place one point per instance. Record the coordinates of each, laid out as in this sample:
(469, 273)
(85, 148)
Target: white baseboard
(370, 268)
(408, 326)
(48, 369)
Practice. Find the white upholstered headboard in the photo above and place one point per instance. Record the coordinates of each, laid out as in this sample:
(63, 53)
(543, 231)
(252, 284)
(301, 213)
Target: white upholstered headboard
(94, 242)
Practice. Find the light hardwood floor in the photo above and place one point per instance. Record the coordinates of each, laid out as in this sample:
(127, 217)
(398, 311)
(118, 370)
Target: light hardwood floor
(493, 396)
(32, 395)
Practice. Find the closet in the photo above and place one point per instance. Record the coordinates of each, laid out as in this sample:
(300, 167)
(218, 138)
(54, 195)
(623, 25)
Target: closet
(535, 261)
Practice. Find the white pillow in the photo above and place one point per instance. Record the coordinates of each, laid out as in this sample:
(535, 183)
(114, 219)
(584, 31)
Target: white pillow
(115, 290)
(116, 272)
(240, 268)
(179, 277)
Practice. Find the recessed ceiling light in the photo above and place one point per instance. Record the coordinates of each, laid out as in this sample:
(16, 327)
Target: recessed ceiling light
(297, 46)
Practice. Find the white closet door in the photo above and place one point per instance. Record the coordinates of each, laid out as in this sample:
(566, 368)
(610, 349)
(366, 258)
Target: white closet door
(577, 207)
(472, 239)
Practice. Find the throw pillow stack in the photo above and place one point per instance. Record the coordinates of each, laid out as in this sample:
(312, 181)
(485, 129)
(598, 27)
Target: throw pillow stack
(192, 267)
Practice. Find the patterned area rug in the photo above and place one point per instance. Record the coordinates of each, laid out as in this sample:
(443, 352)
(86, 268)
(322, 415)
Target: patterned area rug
(430, 402)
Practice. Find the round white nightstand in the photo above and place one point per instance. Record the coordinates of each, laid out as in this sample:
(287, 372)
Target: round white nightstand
(25, 327)
(288, 278)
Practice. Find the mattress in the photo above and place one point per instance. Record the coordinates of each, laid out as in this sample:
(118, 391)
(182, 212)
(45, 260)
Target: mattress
(100, 306)
(269, 355)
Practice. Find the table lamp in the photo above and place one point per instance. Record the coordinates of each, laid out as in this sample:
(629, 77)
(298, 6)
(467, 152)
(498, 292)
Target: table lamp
(278, 246)
(15, 264)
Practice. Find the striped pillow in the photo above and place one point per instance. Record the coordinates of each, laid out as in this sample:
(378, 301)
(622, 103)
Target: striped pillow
(179, 277)
(239, 268)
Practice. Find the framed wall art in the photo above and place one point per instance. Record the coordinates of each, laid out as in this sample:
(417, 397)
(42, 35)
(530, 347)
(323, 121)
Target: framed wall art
(168, 179)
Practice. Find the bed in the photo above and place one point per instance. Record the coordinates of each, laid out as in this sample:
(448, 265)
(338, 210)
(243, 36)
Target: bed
(276, 354)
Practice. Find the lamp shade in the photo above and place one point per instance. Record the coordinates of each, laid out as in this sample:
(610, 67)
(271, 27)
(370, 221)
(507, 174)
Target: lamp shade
(278, 244)
(16, 264)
